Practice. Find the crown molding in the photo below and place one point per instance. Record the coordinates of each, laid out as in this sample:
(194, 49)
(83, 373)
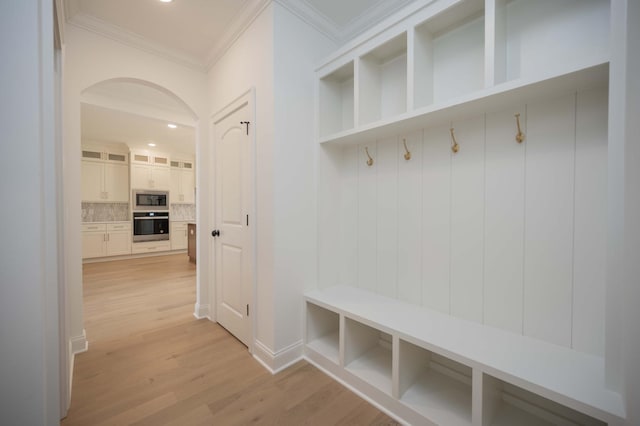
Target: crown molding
(309, 14)
(372, 16)
(131, 39)
(238, 25)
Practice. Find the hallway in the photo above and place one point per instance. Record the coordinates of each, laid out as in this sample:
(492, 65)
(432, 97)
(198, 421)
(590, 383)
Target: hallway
(151, 363)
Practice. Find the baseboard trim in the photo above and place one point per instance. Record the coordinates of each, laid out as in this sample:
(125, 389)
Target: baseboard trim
(132, 256)
(75, 345)
(79, 344)
(202, 312)
(275, 362)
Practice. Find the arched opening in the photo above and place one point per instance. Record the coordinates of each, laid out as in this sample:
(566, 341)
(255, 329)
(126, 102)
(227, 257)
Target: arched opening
(129, 150)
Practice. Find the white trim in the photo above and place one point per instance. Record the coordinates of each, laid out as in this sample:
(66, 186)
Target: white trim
(105, 29)
(310, 15)
(234, 31)
(356, 26)
(79, 344)
(275, 362)
(240, 23)
(202, 311)
(132, 256)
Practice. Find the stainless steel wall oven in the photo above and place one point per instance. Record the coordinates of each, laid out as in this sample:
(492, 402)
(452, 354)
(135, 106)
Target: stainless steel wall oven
(150, 226)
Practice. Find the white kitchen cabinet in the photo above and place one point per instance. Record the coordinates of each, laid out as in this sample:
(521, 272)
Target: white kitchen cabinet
(148, 176)
(119, 237)
(94, 240)
(182, 182)
(106, 239)
(105, 176)
(150, 247)
(179, 235)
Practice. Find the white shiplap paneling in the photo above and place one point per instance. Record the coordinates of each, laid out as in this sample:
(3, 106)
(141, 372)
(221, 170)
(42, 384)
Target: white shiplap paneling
(367, 219)
(386, 167)
(467, 220)
(504, 220)
(436, 219)
(549, 219)
(410, 219)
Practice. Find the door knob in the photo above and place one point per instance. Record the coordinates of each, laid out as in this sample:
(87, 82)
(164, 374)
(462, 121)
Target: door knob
(215, 233)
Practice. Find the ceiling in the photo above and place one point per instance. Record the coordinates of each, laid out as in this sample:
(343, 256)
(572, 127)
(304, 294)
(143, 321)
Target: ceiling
(194, 33)
(197, 32)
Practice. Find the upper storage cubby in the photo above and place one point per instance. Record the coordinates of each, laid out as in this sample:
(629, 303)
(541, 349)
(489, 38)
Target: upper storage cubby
(536, 39)
(383, 81)
(449, 54)
(337, 100)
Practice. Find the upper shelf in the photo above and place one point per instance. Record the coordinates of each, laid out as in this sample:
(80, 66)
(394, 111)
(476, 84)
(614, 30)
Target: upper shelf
(461, 57)
(486, 100)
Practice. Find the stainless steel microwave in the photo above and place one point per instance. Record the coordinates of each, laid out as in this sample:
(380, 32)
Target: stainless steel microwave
(144, 199)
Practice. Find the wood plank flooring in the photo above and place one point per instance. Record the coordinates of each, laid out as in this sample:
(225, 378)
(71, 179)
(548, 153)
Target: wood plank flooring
(150, 362)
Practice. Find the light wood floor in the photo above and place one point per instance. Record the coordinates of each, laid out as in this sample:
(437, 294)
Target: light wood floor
(150, 362)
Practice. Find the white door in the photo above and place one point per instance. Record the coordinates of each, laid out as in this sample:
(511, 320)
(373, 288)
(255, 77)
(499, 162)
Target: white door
(233, 246)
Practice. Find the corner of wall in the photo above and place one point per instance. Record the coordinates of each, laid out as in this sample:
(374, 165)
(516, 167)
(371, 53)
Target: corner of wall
(275, 362)
(202, 311)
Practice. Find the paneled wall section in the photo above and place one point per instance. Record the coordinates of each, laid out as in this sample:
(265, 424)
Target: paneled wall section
(510, 235)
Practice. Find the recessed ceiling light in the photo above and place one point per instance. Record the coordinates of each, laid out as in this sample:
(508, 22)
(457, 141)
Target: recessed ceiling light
(151, 144)
(166, 1)
(171, 126)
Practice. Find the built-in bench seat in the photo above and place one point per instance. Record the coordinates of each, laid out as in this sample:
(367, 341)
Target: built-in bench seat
(424, 366)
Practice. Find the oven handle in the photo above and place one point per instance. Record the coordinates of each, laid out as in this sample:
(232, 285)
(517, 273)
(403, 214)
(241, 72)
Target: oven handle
(151, 218)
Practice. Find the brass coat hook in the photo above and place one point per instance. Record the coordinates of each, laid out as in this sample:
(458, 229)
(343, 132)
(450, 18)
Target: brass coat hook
(407, 154)
(519, 135)
(454, 145)
(370, 160)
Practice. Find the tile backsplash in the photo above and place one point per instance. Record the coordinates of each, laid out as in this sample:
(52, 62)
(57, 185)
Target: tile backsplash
(183, 212)
(105, 212)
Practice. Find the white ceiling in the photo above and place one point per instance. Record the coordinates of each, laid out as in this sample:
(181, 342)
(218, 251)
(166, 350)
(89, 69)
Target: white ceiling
(109, 126)
(194, 33)
(197, 32)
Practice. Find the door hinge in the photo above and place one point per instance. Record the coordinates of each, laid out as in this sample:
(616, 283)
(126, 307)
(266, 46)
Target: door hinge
(247, 310)
(247, 220)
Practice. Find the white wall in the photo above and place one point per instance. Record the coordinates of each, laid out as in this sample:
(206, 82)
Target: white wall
(29, 352)
(249, 63)
(623, 269)
(91, 59)
(276, 56)
(298, 49)
(506, 234)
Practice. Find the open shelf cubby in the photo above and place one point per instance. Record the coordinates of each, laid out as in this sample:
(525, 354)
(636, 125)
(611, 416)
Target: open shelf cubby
(504, 404)
(323, 332)
(434, 386)
(367, 354)
(548, 37)
(337, 100)
(383, 81)
(449, 54)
